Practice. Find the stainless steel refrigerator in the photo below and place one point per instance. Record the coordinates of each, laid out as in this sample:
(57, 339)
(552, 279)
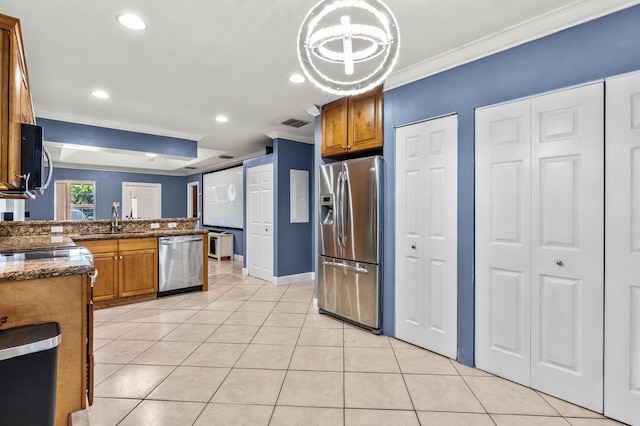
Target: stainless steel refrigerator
(349, 240)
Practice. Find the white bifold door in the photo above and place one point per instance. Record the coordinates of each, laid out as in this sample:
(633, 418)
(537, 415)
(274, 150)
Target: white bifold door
(622, 248)
(260, 221)
(426, 234)
(539, 243)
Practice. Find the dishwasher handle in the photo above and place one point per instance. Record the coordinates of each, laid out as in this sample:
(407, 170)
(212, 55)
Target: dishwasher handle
(179, 239)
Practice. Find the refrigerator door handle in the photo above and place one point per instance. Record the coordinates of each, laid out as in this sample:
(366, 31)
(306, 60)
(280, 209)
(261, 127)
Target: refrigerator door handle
(345, 266)
(342, 231)
(339, 212)
(345, 195)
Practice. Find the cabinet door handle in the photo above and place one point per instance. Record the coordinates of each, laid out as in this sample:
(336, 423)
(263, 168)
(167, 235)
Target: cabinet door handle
(93, 277)
(120, 257)
(115, 257)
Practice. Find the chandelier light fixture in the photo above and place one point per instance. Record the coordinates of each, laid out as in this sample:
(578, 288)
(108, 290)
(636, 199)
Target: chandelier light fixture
(346, 47)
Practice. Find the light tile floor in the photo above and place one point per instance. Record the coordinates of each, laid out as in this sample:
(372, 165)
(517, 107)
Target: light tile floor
(249, 353)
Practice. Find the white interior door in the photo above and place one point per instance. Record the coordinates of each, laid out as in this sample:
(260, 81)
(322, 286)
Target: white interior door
(260, 221)
(543, 288)
(622, 248)
(567, 251)
(148, 199)
(426, 234)
(503, 240)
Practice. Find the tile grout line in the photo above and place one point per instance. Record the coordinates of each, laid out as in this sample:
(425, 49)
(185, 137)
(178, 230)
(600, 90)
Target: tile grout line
(289, 364)
(199, 344)
(395, 356)
(231, 368)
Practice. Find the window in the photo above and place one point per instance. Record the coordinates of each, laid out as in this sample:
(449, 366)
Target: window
(75, 200)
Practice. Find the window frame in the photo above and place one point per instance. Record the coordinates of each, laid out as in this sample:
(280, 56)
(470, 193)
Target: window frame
(62, 195)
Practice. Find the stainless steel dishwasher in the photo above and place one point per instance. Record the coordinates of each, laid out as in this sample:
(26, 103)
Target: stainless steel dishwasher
(180, 266)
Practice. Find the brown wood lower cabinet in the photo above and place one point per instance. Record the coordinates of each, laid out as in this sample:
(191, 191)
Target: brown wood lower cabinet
(127, 270)
(105, 259)
(64, 300)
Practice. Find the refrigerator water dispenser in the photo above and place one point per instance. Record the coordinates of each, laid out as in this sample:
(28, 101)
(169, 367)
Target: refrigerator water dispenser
(326, 209)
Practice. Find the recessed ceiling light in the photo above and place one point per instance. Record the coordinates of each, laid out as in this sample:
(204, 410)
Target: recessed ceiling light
(296, 78)
(222, 119)
(149, 154)
(98, 93)
(131, 21)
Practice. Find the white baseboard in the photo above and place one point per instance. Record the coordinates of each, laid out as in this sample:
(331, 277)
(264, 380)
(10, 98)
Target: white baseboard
(238, 257)
(292, 279)
(245, 272)
(315, 303)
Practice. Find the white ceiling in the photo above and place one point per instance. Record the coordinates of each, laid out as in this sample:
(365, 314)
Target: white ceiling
(201, 58)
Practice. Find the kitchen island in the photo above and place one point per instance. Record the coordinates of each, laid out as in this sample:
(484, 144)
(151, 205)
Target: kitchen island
(127, 260)
(55, 290)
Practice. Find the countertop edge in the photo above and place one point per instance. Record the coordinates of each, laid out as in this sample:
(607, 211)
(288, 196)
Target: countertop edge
(127, 235)
(47, 272)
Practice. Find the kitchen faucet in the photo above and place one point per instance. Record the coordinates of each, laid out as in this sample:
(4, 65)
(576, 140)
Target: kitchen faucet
(114, 218)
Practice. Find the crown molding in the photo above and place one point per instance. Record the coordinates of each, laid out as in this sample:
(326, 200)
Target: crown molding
(573, 14)
(110, 124)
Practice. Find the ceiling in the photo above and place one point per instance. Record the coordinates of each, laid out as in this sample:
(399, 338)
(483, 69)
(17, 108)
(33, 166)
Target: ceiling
(201, 58)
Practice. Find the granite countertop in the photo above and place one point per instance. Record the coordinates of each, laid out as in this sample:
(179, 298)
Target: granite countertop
(15, 270)
(144, 234)
(34, 242)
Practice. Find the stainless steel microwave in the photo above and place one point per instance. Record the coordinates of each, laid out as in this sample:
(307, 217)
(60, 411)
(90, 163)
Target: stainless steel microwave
(34, 175)
(35, 178)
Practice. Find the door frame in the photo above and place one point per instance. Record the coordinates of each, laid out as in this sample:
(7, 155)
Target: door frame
(190, 200)
(125, 196)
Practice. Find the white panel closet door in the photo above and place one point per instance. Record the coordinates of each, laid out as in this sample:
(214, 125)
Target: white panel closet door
(539, 243)
(622, 248)
(503, 241)
(426, 234)
(567, 250)
(260, 221)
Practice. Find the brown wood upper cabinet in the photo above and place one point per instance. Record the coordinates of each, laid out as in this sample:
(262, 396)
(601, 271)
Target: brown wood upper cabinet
(352, 124)
(15, 101)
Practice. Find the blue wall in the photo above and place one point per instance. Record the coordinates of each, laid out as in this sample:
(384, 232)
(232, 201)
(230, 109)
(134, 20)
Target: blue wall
(605, 47)
(109, 189)
(108, 183)
(81, 134)
(293, 241)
